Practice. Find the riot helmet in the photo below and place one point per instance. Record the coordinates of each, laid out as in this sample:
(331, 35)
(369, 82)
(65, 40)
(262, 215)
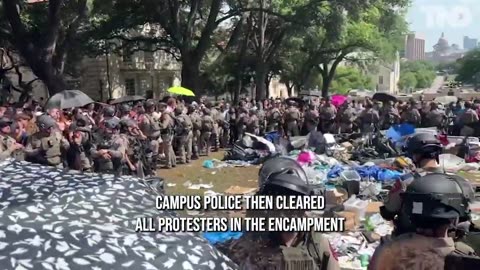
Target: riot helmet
(111, 125)
(423, 146)
(278, 165)
(125, 108)
(109, 111)
(149, 103)
(45, 122)
(435, 199)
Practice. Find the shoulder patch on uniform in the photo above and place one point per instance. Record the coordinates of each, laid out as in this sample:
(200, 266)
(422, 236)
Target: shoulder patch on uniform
(417, 208)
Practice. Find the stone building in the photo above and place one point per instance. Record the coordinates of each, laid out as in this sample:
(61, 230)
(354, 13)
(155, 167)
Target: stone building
(141, 73)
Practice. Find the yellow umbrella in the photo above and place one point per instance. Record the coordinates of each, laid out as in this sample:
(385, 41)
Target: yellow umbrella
(178, 90)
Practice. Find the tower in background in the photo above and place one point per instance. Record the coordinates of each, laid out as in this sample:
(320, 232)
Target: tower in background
(414, 47)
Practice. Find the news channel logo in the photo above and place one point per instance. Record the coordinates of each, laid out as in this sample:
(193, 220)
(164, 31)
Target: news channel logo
(450, 14)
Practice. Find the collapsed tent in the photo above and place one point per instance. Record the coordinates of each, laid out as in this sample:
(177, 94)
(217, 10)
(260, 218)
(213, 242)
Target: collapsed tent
(51, 219)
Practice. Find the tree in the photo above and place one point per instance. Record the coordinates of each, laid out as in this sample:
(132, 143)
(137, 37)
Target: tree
(407, 81)
(43, 34)
(469, 68)
(363, 35)
(423, 71)
(348, 78)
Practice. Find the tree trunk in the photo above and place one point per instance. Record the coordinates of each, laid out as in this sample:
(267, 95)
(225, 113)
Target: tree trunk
(237, 89)
(191, 75)
(45, 72)
(260, 78)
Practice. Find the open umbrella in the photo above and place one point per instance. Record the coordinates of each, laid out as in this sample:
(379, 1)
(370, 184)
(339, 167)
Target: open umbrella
(127, 99)
(338, 100)
(384, 97)
(68, 99)
(297, 100)
(51, 219)
(181, 91)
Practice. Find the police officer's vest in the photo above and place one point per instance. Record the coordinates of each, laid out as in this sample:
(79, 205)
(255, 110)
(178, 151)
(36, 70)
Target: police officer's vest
(207, 124)
(51, 147)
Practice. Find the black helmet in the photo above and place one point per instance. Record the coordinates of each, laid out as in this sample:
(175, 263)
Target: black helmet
(125, 108)
(45, 122)
(284, 183)
(109, 111)
(425, 144)
(112, 123)
(278, 165)
(149, 103)
(436, 196)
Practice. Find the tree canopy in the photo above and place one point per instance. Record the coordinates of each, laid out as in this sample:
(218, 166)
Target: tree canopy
(416, 75)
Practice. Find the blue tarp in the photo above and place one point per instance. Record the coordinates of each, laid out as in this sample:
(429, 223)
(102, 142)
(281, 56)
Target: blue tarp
(221, 237)
(395, 133)
(375, 172)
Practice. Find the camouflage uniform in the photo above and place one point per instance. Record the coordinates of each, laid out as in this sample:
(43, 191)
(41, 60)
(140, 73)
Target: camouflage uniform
(311, 120)
(207, 128)
(328, 113)
(346, 119)
(109, 151)
(436, 118)
(383, 255)
(412, 116)
(468, 119)
(253, 251)
(167, 132)
(369, 118)
(196, 131)
(151, 128)
(48, 145)
(216, 130)
(253, 125)
(8, 145)
(185, 138)
(292, 116)
(274, 120)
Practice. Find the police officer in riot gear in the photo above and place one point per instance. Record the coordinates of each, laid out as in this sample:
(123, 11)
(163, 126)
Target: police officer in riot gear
(109, 150)
(280, 250)
(125, 110)
(424, 149)
(48, 145)
(434, 204)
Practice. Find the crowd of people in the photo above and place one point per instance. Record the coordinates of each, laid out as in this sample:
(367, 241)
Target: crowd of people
(138, 137)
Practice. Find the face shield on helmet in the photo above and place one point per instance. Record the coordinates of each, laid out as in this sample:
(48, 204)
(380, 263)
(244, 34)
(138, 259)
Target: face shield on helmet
(279, 165)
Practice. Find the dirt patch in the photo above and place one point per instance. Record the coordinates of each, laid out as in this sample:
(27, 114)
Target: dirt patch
(221, 179)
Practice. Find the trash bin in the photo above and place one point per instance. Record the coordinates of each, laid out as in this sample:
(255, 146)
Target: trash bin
(351, 182)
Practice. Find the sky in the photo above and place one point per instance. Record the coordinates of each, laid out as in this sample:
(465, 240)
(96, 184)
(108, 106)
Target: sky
(457, 18)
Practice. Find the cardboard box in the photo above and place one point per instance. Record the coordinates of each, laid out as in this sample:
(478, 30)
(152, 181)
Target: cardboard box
(336, 196)
(374, 207)
(350, 220)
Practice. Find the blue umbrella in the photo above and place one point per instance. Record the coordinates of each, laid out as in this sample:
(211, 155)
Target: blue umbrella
(397, 132)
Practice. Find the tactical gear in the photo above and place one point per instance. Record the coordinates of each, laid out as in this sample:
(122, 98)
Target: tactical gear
(45, 122)
(280, 165)
(112, 123)
(437, 196)
(125, 108)
(425, 144)
(149, 103)
(109, 111)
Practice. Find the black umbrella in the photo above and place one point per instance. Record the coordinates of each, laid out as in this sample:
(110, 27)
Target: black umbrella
(298, 101)
(51, 219)
(127, 99)
(384, 97)
(68, 99)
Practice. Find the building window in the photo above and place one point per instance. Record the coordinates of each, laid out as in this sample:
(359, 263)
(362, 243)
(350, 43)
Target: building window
(126, 53)
(380, 79)
(130, 86)
(148, 54)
